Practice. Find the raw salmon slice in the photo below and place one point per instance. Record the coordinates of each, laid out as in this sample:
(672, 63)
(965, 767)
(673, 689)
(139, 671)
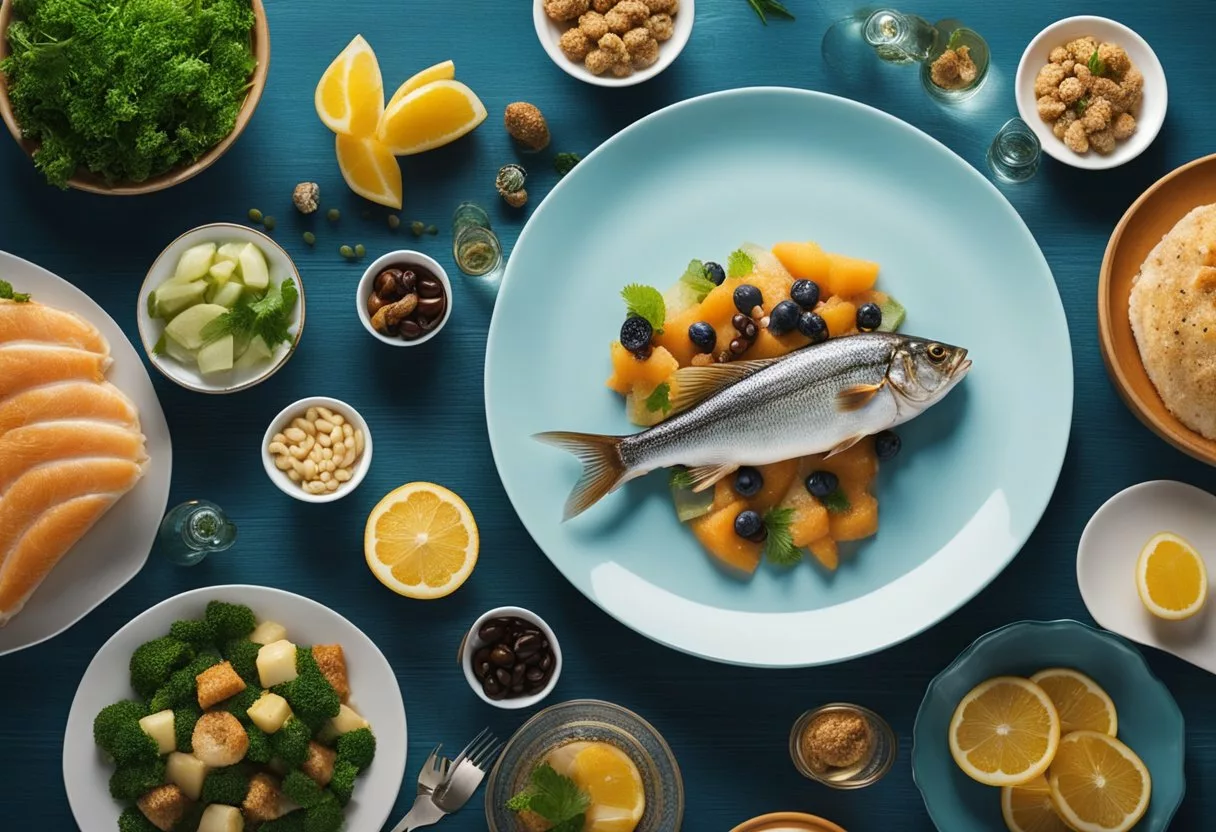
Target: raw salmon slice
(68, 400)
(35, 323)
(27, 447)
(23, 366)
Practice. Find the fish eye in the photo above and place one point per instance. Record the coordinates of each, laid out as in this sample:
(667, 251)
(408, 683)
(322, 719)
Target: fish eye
(937, 353)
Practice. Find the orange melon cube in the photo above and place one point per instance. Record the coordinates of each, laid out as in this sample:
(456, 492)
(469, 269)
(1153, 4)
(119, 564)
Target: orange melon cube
(630, 372)
(810, 521)
(768, 345)
(805, 261)
(849, 276)
(716, 532)
(839, 315)
(716, 309)
(777, 479)
(826, 552)
(724, 493)
(860, 521)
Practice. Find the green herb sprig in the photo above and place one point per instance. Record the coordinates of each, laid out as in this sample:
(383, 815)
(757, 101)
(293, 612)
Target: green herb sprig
(7, 293)
(269, 318)
(696, 279)
(660, 399)
(1082, 105)
(739, 263)
(1096, 65)
(779, 543)
(764, 8)
(837, 502)
(645, 302)
(555, 798)
(680, 478)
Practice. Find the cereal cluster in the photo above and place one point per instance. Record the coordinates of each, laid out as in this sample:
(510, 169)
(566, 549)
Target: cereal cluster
(1089, 93)
(614, 36)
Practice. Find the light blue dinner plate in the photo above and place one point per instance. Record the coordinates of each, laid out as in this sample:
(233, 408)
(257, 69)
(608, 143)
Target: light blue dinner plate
(763, 165)
(1149, 720)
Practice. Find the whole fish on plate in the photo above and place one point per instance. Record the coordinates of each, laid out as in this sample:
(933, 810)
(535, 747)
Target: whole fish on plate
(821, 398)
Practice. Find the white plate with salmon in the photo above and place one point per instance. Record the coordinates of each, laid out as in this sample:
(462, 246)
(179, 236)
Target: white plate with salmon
(85, 456)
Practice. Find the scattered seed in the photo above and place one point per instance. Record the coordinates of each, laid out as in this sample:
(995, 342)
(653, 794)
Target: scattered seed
(347, 252)
(333, 214)
(268, 223)
(255, 215)
(360, 250)
(310, 238)
(432, 230)
(394, 221)
(418, 228)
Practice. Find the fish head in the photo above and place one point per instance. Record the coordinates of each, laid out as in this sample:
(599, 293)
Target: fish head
(923, 371)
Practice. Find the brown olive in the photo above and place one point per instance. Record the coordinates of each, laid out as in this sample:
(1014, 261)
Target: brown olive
(431, 307)
(429, 287)
(407, 281)
(388, 284)
(410, 330)
(374, 302)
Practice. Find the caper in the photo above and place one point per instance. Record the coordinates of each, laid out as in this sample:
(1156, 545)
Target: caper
(347, 252)
(417, 228)
(268, 223)
(394, 221)
(255, 215)
(360, 250)
(310, 238)
(432, 230)
(333, 214)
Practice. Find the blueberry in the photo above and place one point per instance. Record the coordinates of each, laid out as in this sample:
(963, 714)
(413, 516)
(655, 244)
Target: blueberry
(715, 273)
(805, 293)
(813, 327)
(635, 335)
(821, 484)
(749, 525)
(748, 481)
(887, 445)
(747, 298)
(784, 317)
(869, 317)
(703, 336)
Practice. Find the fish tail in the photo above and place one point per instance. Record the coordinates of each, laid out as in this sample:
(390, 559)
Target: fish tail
(603, 468)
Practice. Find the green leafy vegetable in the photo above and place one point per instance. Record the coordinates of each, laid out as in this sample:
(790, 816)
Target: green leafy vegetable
(1082, 105)
(837, 502)
(7, 293)
(696, 279)
(555, 798)
(269, 317)
(680, 478)
(1096, 65)
(739, 263)
(127, 90)
(645, 302)
(956, 39)
(779, 544)
(764, 8)
(659, 399)
(563, 163)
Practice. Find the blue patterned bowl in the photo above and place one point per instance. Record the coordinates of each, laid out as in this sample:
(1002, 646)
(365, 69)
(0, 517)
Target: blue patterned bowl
(1149, 720)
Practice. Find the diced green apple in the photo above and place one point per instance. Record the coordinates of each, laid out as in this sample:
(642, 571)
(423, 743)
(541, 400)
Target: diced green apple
(256, 353)
(216, 356)
(179, 353)
(174, 297)
(221, 272)
(254, 271)
(187, 328)
(230, 252)
(227, 295)
(194, 263)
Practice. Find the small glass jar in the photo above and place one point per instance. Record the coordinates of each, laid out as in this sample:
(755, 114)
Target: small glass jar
(1014, 153)
(953, 35)
(873, 762)
(469, 214)
(477, 251)
(193, 530)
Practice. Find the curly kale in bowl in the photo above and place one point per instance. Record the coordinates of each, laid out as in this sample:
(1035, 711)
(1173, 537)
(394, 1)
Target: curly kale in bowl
(126, 89)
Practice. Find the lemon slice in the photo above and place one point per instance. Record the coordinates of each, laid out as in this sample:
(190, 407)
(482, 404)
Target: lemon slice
(350, 95)
(421, 541)
(431, 116)
(612, 781)
(1005, 732)
(370, 170)
(1171, 577)
(1098, 784)
(445, 71)
(1028, 808)
(1079, 700)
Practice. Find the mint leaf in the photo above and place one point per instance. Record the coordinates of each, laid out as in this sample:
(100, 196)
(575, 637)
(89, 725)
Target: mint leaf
(695, 278)
(779, 544)
(680, 478)
(659, 399)
(555, 798)
(956, 38)
(1082, 105)
(837, 502)
(1096, 65)
(7, 293)
(574, 824)
(269, 317)
(645, 302)
(739, 263)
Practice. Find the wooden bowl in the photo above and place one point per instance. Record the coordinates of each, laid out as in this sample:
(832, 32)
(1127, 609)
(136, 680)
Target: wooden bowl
(85, 181)
(1148, 219)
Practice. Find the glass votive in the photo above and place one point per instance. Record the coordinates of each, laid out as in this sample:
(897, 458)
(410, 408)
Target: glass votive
(477, 251)
(842, 746)
(1014, 153)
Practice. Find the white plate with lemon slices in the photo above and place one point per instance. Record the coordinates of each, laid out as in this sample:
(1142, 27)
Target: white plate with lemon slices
(1110, 569)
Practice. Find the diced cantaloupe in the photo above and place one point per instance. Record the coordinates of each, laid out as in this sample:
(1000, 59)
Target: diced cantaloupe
(777, 478)
(724, 493)
(810, 520)
(629, 371)
(850, 275)
(859, 521)
(716, 309)
(840, 316)
(768, 345)
(826, 552)
(716, 531)
(872, 296)
(804, 261)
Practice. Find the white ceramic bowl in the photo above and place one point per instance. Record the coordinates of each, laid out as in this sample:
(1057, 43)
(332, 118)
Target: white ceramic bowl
(374, 694)
(550, 31)
(472, 643)
(150, 329)
(401, 257)
(283, 421)
(1149, 117)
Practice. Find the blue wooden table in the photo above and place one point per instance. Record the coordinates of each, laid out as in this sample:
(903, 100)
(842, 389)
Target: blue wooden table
(728, 726)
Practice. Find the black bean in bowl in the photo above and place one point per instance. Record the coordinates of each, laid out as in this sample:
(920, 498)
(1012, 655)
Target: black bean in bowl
(515, 658)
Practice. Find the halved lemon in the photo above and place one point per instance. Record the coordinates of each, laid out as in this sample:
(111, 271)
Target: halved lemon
(1171, 577)
(1098, 784)
(445, 71)
(1028, 808)
(421, 541)
(431, 116)
(607, 775)
(350, 95)
(1005, 732)
(1079, 700)
(370, 170)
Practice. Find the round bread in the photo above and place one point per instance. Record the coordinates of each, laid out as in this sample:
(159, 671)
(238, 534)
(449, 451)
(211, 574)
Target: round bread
(1173, 315)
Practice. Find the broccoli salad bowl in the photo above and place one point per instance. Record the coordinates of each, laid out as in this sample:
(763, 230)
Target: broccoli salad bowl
(235, 707)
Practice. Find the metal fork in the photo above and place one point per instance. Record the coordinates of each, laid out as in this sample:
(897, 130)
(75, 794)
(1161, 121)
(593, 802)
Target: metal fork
(456, 786)
(434, 771)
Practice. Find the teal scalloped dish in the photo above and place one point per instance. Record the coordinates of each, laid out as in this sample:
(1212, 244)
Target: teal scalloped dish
(1149, 720)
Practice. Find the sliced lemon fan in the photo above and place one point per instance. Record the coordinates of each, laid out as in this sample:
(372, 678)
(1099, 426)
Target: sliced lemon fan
(1079, 700)
(1171, 577)
(431, 116)
(1028, 808)
(1098, 784)
(1005, 732)
(350, 95)
(445, 71)
(421, 541)
(370, 170)
(607, 775)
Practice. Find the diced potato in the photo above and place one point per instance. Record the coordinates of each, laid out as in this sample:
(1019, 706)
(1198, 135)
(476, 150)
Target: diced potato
(267, 632)
(277, 663)
(346, 721)
(220, 818)
(159, 726)
(270, 712)
(187, 772)
(194, 263)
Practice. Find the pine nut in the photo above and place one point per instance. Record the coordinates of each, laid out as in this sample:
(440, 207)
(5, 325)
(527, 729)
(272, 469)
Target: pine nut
(315, 487)
(278, 437)
(311, 415)
(347, 430)
(277, 448)
(342, 475)
(325, 476)
(297, 452)
(325, 413)
(324, 425)
(282, 462)
(324, 441)
(349, 443)
(358, 443)
(293, 476)
(305, 425)
(327, 453)
(332, 485)
(349, 459)
(337, 418)
(295, 435)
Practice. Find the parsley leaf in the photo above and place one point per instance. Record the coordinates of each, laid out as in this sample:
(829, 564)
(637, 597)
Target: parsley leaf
(645, 302)
(7, 293)
(956, 39)
(779, 544)
(739, 263)
(574, 824)
(1082, 105)
(1096, 65)
(555, 798)
(837, 502)
(763, 8)
(696, 279)
(680, 478)
(269, 317)
(659, 399)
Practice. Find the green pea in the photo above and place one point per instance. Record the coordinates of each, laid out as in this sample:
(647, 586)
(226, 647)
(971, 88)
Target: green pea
(255, 215)
(394, 221)
(310, 238)
(333, 214)
(417, 228)
(432, 230)
(360, 250)
(347, 252)
(268, 223)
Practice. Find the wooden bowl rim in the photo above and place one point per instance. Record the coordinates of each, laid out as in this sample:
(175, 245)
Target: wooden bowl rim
(1166, 426)
(87, 182)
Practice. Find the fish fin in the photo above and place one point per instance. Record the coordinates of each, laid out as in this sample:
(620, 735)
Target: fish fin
(705, 476)
(845, 445)
(693, 385)
(857, 396)
(603, 469)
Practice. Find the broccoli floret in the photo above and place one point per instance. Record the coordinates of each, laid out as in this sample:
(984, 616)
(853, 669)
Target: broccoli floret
(184, 717)
(259, 745)
(153, 662)
(342, 784)
(132, 781)
(226, 785)
(325, 816)
(357, 747)
(230, 620)
(563, 163)
(311, 696)
(239, 704)
(243, 655)
(182, 686)
(190, 819)
(293, 822)
(302, 789)
(290, 743)
(133, 820)
(198, 632)
(116, 731)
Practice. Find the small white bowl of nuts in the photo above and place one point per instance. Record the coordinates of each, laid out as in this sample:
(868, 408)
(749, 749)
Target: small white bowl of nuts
(613, 43)
(317, 450)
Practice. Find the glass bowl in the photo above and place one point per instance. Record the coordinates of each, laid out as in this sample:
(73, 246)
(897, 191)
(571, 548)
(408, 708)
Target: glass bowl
(866, 773)
(588, 719)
